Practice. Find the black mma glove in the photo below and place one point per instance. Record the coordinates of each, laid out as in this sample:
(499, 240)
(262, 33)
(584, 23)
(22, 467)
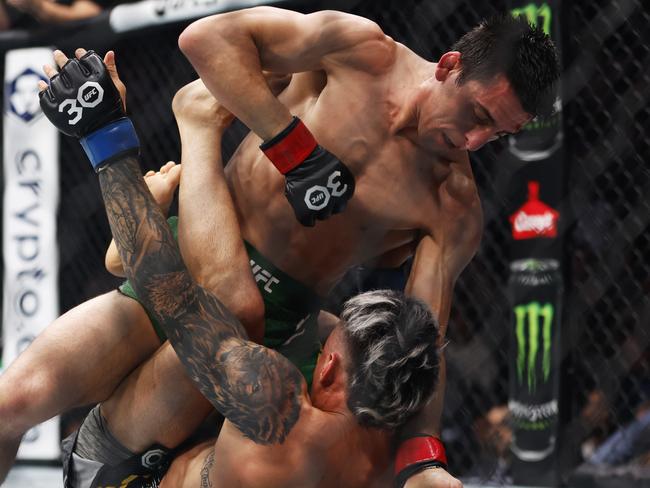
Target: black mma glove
(82, 102)
(317, 183)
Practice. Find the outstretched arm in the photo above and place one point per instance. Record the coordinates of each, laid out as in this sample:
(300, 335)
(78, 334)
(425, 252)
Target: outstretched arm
(162, 184)
(257, 389)
(440, 257)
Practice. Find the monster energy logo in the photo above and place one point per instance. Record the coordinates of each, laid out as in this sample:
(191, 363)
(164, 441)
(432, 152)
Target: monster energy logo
(534, 13)
(529, 316)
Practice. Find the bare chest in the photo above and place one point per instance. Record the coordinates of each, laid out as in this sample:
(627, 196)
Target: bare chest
(394, 195)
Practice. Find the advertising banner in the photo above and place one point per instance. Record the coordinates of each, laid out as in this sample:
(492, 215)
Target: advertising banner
(29, 247)
(536, 293)
(131, 16)
(535, 286)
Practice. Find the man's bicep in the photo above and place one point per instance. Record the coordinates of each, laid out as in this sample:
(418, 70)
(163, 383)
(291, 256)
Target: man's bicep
(290, 42)
(255, 388)
(263, 392)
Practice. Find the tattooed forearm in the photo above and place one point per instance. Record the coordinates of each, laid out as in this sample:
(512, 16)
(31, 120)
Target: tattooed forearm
(206, 469)
(255, 388)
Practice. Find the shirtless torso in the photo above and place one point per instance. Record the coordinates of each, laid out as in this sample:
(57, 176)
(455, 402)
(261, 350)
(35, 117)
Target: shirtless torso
(397, 199)
(318, 443)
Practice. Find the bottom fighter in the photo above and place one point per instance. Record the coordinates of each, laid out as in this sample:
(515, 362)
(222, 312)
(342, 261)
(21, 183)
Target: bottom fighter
(377, 369)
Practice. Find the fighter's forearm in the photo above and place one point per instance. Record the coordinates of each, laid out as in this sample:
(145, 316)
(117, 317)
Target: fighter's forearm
(226, 56)
(257, 389)
(432, 282)
(147, 248)
(427, 421)
(153, 263)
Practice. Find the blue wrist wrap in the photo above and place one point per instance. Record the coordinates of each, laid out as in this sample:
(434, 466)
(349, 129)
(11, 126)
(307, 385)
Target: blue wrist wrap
(111, 140)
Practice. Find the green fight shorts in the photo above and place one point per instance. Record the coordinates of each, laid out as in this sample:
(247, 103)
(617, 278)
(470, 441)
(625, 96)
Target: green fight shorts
(290, 309)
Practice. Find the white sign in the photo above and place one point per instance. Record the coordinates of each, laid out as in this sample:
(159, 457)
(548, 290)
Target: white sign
(31, 197)
(133, 16)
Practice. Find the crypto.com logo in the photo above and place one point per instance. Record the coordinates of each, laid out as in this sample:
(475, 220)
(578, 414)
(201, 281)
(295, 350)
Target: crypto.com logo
(22, 93)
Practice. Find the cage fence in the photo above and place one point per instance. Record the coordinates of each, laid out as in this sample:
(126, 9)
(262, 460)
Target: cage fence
(606, 339)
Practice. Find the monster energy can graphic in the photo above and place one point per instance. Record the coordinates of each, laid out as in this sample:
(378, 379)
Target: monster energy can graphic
(542, 137)
(535, 288)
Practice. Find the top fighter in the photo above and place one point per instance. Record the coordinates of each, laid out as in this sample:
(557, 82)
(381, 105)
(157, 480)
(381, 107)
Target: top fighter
(401, 124)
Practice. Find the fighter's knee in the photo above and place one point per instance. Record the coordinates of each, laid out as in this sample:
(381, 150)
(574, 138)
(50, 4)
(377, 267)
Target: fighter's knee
(187, 40)
(17, 408)
(193, 39)
(248, 307)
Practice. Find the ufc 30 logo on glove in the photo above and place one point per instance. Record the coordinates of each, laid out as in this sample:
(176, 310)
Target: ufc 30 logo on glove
(83, 102)
(317, 185)
(82, 97)
(89, 95)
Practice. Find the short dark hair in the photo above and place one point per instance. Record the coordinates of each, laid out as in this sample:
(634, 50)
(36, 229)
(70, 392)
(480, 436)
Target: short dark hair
(394, 357)
(509, 45)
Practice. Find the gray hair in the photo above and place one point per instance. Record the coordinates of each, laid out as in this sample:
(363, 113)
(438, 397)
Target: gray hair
(394, 357)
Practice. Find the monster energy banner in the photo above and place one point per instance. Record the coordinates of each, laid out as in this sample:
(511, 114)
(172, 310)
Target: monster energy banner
(535, 285)
(540, 139)
(536, 290)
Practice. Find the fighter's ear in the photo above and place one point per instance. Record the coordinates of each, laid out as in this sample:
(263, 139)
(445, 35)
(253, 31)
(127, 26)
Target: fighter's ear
(447, 63)
(328, 372)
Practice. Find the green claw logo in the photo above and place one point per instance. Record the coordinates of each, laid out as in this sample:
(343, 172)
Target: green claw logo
(534, 13)
(527, 331)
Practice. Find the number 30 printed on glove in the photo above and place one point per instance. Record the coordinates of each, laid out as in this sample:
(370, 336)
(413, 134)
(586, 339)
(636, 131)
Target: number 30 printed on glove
(317, 185)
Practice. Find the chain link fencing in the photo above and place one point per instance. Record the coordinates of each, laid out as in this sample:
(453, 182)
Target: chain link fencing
(606, 369)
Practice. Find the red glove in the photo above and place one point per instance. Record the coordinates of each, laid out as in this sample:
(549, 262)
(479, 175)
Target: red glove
(418, 453)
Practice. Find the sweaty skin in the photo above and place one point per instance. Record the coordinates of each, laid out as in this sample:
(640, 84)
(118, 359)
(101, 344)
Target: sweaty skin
(363, 101)
(326, 444)
(378, 107)
(400, 123)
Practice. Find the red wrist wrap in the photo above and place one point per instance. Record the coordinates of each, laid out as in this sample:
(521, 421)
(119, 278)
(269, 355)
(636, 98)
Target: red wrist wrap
(418, 450)
(291, 149)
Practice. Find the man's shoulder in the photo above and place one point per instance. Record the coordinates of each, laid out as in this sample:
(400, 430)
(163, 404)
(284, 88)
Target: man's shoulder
(463, 190)
(456, 194)
(299, 460)
(460, 183)
(362, 42)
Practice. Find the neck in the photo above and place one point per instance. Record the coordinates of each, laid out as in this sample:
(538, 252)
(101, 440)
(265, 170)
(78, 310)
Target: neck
(407, 117)
(373, 451)
(371, 440)
(331, 402)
